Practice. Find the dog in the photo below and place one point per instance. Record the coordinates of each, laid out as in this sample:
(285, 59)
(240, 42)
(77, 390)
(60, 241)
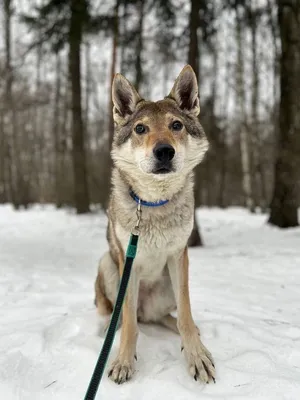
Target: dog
(156, 147)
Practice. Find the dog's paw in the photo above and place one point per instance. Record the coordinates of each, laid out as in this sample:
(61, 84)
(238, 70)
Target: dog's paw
(121, 371)
(200, 362)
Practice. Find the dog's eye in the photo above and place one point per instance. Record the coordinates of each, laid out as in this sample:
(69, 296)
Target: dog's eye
(177, 126)
(140, 128)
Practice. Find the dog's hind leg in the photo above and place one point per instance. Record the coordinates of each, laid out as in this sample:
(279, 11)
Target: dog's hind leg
(170, 322)
(106, 285)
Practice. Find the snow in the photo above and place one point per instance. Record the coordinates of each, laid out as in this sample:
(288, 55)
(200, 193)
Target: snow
(245, 294)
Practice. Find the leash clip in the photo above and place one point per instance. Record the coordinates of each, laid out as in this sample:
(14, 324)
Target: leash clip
(136, 229)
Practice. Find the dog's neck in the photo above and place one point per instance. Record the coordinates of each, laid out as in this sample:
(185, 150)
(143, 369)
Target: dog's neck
(149, 188)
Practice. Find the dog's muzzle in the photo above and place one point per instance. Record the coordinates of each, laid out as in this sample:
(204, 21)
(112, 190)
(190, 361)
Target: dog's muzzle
(163, 153)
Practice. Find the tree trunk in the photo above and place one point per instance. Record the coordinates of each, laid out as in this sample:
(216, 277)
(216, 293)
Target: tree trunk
(285, 201)
(195, 238)
(258, 157)
(78, 12)
(3, 183)
(8, 100)
(222, 199)
(254, 106)
(139, 48)
(11, 131)
(194, 22)
(64, 154)
(241, 115)
(111, 125)
(217, 161)
(123, 33)
(88, 90)
(57, 134)
(113, 70)
(274, 31)
(193, 60)
(37, 158)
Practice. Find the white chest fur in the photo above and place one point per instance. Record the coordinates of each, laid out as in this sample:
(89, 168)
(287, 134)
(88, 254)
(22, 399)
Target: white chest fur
(161, 235)
(164, 230)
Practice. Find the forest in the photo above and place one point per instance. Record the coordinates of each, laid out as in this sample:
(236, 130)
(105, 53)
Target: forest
(57, 62)
(63, 243)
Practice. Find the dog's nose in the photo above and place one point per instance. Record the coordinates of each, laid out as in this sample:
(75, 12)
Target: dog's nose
(164, 152)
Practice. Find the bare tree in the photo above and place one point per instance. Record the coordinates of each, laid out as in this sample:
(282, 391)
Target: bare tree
(111, 126)
(57, 106)
(78, 13)
(271, 10)
(285, 201)
(3, 193)
(139, 48)
(115, 41)
(193, 60)
(241, 112)
(11, 139)
(258, 177)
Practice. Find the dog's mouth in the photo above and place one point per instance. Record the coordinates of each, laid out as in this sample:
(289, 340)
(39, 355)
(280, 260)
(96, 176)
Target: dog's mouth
(162, 171)
(166, 168)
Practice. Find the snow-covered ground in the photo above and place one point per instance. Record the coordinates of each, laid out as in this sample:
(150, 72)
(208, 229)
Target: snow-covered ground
(245, 290)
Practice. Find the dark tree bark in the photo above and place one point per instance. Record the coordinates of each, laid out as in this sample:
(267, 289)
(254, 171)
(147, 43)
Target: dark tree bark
(193, 60)
(78, 13)
(4, 146)
(57, 135)
(139, 47)
(37, 157)
(194, 22)
(123, 29)
(12, 155)
(222, 200)
(111, 125)
(88, 88)
(258, 174)
(274, 30)
(245, 143)
(3, 188)
(285, 202)
(115, 42)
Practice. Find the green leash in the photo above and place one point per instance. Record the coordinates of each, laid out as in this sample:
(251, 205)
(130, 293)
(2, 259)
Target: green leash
(111, 332)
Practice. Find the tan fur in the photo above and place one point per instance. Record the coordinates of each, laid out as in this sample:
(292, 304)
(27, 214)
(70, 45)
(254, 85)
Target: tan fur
(170, 322)
(159, 279)
(102, 303)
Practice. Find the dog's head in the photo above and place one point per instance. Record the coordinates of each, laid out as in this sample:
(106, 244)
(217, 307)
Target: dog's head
(160, 138)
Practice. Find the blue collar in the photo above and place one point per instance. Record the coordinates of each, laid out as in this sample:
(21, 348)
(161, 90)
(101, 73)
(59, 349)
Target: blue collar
(147, 203)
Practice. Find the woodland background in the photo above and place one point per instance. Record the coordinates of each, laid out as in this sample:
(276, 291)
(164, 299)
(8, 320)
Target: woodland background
(57, 60)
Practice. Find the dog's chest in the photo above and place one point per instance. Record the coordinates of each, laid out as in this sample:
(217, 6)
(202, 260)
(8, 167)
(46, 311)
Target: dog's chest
(161, 236)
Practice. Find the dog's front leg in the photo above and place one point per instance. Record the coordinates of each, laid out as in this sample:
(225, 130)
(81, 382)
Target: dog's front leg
(200, 362)
(122, 368)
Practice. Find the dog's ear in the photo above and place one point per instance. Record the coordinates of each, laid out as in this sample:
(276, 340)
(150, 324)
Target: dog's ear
(185, 91)
(124, 97)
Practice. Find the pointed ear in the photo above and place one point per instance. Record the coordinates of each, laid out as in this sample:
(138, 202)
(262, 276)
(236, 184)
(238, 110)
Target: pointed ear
(124, 97)
(185, 91)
